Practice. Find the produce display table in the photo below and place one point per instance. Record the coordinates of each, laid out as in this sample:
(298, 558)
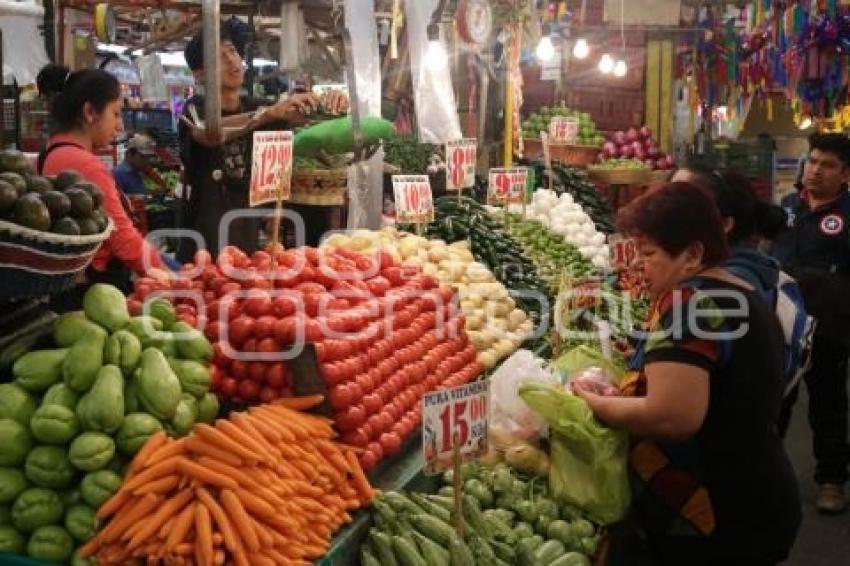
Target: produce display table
(404, 472)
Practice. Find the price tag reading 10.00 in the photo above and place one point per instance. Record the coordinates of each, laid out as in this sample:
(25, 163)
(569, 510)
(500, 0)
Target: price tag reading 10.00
(460, 164)
(507, 186)
(461, 414)
(271, 167)
(413, 201)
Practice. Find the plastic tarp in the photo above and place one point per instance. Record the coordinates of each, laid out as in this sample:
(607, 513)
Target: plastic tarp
(365, 180)
(434, 99)
(152, 77)
(23, 44)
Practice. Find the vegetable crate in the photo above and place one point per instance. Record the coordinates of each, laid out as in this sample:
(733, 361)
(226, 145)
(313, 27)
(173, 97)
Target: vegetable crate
(574, 155)
(319, 187)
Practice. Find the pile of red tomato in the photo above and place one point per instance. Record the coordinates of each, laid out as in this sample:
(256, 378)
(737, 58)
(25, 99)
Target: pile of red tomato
(384, 334)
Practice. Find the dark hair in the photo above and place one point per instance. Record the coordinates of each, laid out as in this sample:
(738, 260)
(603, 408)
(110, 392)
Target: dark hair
(676, 216)
(68, 93)
(837, 144)
(733, 193)
(233, 30)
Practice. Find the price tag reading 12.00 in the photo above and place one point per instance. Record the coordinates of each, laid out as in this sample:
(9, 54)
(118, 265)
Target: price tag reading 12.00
(271, 167)
(507, 186)
(413, 201)
(460, 164)
(460, 413)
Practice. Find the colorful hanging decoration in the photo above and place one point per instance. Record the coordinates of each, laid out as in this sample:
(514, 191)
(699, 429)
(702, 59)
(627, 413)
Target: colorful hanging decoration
(801, 47)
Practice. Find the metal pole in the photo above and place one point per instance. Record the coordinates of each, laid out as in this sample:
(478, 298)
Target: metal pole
(212, 72)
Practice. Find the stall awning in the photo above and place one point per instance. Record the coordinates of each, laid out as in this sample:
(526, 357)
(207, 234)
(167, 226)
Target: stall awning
(23, 44)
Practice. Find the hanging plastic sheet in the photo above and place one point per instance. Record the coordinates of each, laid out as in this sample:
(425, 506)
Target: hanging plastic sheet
(23, 44)
(436, 108)
(293, 38)
(152, 77)
(365, 180)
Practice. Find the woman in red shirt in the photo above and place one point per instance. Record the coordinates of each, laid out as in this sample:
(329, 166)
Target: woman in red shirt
(85, 109)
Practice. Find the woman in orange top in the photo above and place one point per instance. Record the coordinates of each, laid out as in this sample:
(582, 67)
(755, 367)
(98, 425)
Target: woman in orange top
(85, 109)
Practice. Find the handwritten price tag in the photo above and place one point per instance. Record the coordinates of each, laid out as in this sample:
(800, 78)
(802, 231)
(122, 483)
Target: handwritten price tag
(623, 250)
(413, 201)
(460, 164)
(507, 186)
(271, 167)
(563, 130)
(462, 412)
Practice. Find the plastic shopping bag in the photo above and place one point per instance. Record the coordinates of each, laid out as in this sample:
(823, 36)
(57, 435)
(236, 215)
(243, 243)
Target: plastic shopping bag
(585, 357)
(509, 416)
(587, 460)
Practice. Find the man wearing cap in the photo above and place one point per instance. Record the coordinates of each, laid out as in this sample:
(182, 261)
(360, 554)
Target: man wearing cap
(218, 172)
(130, 174)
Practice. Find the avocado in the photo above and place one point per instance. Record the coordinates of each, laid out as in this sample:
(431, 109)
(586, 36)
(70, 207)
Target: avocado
(81, 202)
(65, 179)
(8, 196)
(91, 189)
(99, 216)
(40, 184)
(57, 203)
(66, 225)
(14, 161)
(88, 226)
(30, 211)
(16, 181)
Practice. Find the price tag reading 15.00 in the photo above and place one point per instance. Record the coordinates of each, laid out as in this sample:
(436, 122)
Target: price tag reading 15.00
(460, 164)
(507, 186)
(271, 167)
(413, 201)
(461, 414)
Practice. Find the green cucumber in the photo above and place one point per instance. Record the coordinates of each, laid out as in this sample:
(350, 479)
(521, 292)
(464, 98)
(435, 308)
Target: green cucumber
(406, 554)
(433, 553)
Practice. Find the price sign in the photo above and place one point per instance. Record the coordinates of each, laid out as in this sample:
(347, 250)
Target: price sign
(623, 250)
(461, 156)
(507, 186)
(454, 414)
(271, 167)
(563, 129)
(413, 201)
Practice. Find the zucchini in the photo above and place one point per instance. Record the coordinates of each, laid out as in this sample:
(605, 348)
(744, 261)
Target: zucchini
(571, 559)
(432, 508)
(406, 554)
(446, 491)
(433, 528)
(367, 558)
(444, 502)
(459, 553)
(503, 551)
(549, 551)
(433, 553)
(400, 502)
(383, 547)
(472, 513)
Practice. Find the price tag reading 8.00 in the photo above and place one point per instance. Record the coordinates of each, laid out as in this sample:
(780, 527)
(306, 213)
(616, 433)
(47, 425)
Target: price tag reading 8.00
(461, 413)
(271, 167)
(413, 201)
(507, 186)
(461, 156)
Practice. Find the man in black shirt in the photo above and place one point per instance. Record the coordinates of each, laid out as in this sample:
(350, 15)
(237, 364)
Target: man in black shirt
(218, 173)
(815, 250)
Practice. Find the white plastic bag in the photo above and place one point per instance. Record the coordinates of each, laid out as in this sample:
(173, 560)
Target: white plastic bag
(510, 416)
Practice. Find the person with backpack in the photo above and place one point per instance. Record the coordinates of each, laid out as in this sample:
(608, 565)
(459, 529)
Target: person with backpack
(815, 250)
(85, 112)
(748, 222)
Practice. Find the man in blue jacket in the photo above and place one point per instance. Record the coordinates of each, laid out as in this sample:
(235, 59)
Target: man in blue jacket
(815, 250)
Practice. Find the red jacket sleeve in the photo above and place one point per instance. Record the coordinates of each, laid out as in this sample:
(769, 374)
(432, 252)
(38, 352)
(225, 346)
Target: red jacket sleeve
(125, 242)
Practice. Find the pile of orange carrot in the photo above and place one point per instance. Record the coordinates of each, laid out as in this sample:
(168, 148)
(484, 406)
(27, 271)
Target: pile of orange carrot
(264, 487)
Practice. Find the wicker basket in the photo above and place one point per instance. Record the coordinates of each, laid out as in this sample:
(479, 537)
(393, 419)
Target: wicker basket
(35, 263)
(660, 177)
(621, 176)
(572, 155)
(319, 187)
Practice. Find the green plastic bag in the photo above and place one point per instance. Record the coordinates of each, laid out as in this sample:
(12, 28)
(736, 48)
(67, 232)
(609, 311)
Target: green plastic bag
(587, 460)
(583, 357)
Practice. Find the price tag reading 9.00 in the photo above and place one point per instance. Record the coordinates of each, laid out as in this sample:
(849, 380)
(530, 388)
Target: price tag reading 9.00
(460, 414)
(413, 201)
(507, 186)
(271, 167)
(461, 156)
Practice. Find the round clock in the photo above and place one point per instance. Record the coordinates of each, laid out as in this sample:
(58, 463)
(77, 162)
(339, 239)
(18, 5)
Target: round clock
(104, 23)
(474, 21)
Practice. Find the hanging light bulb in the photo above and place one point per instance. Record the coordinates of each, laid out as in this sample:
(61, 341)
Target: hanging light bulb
(581, 49)
(620, 69)
(545, 48)
(436, 57)
(606, 64)
(806, 122)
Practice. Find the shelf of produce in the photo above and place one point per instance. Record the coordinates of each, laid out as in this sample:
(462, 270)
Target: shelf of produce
(404, 472)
